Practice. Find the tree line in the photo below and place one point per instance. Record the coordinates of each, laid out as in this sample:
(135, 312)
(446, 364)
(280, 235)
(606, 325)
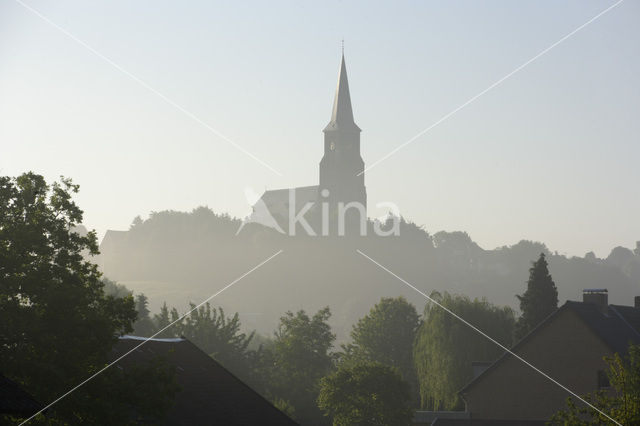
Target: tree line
(397, 360)
(60, 319)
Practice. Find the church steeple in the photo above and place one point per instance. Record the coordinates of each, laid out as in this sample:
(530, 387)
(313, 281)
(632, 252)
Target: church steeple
(342, 114)
(341, 177)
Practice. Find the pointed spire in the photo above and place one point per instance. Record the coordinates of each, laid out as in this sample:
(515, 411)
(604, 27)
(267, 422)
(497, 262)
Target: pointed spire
(342, 114)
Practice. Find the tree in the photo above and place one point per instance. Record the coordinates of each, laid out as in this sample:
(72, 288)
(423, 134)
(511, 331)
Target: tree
(57, 325)
(386, 336)
(445, 347)
(112, 288)
(539, 300)
(214, 333)
(300, 358)
(161, 320)
(591, 257)
(366, 395)
(620, 257)
(137, 221)
(144, 325)
(623, 404)
(456, 248)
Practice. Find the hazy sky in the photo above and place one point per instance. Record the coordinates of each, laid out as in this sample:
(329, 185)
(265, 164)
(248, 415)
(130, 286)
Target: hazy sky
(552, 154)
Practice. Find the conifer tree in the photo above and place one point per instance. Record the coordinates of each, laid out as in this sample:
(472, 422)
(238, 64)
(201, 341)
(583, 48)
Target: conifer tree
(540, 299)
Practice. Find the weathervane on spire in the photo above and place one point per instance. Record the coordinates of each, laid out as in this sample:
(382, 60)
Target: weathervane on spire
(343, 46)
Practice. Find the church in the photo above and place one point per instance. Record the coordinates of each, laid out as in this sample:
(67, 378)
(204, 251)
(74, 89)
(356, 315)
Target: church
(341, 189)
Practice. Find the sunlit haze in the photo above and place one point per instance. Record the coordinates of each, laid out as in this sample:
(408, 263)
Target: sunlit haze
(549, 155)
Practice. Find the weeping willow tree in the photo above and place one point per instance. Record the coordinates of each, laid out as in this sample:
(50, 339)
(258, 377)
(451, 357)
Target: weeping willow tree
(445, 347)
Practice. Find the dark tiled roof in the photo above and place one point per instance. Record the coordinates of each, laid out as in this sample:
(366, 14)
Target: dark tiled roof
(427, 417)
(630, 314)
(209, 393)
(14, 400)
(486, 422)
(617, 329)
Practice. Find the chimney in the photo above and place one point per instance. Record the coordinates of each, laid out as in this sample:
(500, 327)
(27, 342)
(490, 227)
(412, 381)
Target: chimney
(597, 296)
(636, 301)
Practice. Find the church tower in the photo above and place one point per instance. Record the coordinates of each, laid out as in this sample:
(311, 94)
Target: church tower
(341, 167)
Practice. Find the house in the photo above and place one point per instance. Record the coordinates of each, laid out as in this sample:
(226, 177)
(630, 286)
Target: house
(569, 346)
(209, 393)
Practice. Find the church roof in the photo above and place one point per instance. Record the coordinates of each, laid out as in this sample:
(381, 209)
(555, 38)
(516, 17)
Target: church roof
(277, 201)
(342, 114)
(306, 193)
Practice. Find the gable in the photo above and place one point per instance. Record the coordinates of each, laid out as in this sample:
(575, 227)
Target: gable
(563, 347)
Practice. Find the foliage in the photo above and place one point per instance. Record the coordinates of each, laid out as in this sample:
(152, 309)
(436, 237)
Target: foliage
(456, 249)
(143, 326)
(186, 248)
(221, 337)
(112, 288)
(445, 347)
(299, 358)
(620, 257)
(540, 299)
(214, 333)
(386, 336)
(161, 320)
(366, 394)
(57, 325)
(623, 404)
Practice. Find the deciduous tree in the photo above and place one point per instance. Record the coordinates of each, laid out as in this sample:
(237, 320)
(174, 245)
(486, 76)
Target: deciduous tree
(445, 347)
(367, 394)
(300, 358)
(58, 326)
(386, 335)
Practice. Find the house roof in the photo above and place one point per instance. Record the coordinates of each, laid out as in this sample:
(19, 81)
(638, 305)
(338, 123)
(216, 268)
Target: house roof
(486, 422)
(619, 327)
(427, 417)
(209, 393)
(14, 400)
